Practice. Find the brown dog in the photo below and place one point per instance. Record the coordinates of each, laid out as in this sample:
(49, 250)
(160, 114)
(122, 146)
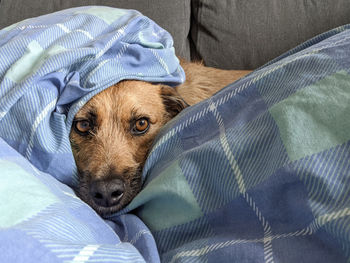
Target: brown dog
(113, 132)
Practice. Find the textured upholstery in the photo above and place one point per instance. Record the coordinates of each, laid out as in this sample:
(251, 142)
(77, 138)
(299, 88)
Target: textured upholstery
(232, 34)
(246, 34)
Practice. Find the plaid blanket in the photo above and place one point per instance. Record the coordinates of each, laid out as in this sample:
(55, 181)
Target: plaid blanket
(258, 173)
(261, 171)
(42, 220)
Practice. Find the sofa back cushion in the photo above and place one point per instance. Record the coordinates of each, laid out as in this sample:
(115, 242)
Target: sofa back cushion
(240, 34)
(231, 34)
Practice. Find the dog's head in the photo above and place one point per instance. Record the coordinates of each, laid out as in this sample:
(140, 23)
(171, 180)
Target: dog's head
(111, 136)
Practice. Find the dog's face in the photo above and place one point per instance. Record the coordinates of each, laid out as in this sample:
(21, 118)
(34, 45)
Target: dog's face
(111, 137)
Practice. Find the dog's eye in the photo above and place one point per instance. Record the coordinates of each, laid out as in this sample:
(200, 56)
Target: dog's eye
(83, 126)
(141, 126)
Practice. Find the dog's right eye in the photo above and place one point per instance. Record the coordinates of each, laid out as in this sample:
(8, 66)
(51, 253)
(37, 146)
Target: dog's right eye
(82, 127)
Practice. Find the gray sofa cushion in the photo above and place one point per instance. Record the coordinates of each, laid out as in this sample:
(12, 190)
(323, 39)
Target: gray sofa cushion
(231, 34)
(245, 34)
(172, 15)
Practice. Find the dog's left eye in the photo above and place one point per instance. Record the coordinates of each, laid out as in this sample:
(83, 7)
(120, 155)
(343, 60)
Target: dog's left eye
(141, 126)
(83, 126)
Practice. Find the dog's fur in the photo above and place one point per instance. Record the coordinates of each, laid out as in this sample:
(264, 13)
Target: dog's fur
(112, 149)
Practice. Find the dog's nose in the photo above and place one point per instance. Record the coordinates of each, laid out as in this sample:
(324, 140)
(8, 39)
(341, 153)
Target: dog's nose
(107, 192)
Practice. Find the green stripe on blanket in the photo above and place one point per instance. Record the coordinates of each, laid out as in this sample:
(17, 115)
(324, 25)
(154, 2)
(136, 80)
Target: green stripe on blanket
(309, 120)
(22, 195)
(177, 204)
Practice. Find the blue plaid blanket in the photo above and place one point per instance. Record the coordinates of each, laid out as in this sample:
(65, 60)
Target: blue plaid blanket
(258, 173)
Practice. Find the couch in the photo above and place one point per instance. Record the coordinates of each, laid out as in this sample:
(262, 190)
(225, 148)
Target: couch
(243, 34)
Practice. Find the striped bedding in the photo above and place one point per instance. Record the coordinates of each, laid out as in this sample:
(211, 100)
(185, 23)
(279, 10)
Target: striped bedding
(258, 173)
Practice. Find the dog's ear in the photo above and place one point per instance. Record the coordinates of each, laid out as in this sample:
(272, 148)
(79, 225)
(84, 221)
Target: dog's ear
(173, 102)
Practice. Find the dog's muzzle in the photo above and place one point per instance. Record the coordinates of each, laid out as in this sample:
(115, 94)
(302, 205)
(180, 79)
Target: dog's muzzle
(107, 192)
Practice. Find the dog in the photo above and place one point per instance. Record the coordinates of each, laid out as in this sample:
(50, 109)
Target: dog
(113, 132)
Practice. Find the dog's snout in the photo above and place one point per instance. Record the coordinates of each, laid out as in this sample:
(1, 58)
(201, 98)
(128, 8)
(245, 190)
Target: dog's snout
(107, 193)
